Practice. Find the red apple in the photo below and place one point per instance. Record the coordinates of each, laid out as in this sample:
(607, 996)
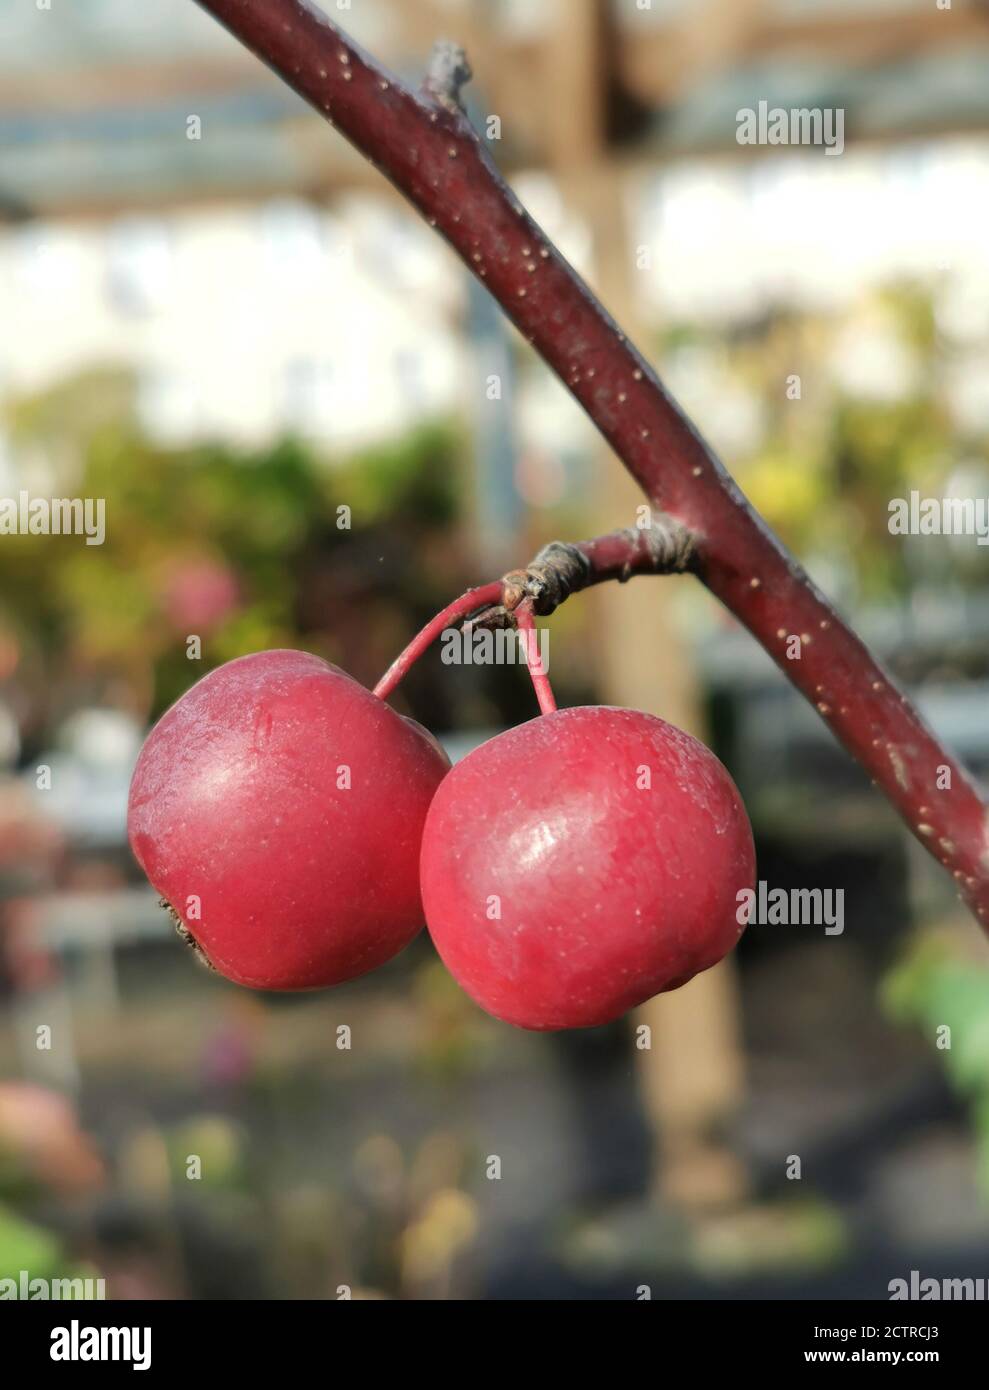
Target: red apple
(579, 864)
(278, 808)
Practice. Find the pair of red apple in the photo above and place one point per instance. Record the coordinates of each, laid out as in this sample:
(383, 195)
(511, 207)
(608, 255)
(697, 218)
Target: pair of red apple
(568, 869)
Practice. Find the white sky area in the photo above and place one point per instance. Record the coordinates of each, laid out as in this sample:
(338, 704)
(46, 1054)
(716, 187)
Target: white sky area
(347, 325)
(813, 229)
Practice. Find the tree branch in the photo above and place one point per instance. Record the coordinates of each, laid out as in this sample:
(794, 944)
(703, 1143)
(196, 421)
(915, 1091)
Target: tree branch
(424, 144)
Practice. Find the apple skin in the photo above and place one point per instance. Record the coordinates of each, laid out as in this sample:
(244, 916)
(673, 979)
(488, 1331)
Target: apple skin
(609, 892)
(430, 738)
(236, 801)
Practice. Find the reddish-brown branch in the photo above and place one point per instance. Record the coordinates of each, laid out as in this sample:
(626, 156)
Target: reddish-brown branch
(425, 145)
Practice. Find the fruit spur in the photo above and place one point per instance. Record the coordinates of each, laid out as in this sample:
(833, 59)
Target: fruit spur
(301, 832)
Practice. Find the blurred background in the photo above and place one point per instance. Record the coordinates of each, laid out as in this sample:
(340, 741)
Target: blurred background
(230, 329)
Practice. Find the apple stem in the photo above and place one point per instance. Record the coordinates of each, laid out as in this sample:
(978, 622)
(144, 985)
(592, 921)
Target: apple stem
(559, 570)
(526, 624)
(470, 602)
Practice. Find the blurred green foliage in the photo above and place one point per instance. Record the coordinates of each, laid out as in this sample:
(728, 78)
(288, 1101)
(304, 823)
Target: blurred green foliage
(943, 992)
(210, 541)
(24, 1246)
(823, 467)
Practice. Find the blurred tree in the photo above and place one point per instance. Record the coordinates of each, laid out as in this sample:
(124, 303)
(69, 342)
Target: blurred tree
(941, 988)
(853, 410)
(214, 543)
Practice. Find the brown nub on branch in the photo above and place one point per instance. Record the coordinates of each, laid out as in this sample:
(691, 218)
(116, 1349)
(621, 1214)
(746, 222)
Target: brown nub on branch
(666, 546)
(560, 569)
(449, 72)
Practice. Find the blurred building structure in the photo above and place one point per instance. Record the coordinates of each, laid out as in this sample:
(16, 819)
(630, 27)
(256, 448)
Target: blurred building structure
(162, 193)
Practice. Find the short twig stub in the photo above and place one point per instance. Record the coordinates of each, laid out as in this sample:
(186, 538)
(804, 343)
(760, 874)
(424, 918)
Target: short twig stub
(449, 72)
